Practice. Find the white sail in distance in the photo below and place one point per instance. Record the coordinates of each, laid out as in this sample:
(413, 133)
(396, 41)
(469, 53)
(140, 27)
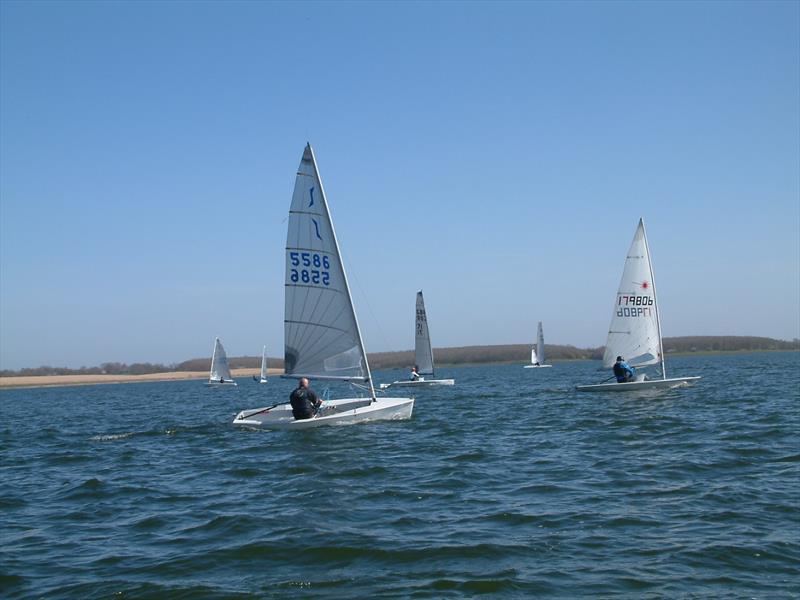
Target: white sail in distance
(219, 364)
(539, 346)
(423, 354)
(635, 332)
(321, 334)
(264, 364)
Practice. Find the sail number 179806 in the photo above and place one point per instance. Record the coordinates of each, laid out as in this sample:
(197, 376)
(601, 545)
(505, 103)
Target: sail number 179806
(630, 305)
(310, 267)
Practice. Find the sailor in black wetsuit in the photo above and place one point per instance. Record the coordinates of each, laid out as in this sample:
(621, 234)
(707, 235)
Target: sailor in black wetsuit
(304, 401)
(623, 371)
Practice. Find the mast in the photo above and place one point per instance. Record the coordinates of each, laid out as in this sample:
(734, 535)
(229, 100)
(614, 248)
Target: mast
(344, 272)
(655, 301)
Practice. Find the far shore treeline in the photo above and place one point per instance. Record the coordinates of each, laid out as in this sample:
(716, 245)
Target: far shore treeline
(511, 353)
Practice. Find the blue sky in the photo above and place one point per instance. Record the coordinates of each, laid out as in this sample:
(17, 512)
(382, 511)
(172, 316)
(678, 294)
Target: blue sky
(495, 155)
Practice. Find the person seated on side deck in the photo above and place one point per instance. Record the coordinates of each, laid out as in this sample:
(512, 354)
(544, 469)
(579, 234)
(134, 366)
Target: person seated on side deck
(415, 374)
(623, 371)
(304, 401)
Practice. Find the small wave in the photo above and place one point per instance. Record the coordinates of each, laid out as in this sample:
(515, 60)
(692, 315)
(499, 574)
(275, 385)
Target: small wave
(88, 489)
(111, 437)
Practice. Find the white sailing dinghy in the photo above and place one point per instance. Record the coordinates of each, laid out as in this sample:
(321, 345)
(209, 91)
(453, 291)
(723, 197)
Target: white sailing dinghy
(635, 331)
(423, 353)
(321, 333)
(220, 371)
(263, 378)
(537, 352)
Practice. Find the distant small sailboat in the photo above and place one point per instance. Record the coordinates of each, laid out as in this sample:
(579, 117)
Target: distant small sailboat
(635, 331)
(322, 337)
(423, 353)
(537, 352)
(220, 371)
(263, 378)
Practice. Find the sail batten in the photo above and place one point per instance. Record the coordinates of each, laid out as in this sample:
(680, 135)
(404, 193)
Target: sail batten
(321, 335)
(423, 354)
(634, 332)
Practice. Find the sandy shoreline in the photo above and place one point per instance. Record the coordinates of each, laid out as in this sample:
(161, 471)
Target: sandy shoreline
(69, 380)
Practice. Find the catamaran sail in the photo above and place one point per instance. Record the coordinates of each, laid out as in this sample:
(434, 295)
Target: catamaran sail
(537, 353)
(635, 331)
(321, 334)
(423, 353)
(220, 371)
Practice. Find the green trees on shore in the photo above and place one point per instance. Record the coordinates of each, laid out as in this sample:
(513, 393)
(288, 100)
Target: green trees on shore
(511, 353)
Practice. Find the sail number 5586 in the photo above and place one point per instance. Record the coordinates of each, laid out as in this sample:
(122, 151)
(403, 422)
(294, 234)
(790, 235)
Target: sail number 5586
(317, 275)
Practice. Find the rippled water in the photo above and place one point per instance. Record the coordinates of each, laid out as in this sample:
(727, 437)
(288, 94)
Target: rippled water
(508, 484)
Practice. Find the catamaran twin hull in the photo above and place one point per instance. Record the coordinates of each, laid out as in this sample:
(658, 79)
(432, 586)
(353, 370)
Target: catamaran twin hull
(419, 383)
(334, 412)
(634, 386)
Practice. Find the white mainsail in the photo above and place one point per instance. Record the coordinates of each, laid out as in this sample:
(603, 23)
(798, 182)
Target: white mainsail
(540, 344)
(220, 371)
(635, 330)
(321, 334)
(423, 354)
(264, 364)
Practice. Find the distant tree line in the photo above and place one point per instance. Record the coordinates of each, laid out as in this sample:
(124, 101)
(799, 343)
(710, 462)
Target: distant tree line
(513, 353)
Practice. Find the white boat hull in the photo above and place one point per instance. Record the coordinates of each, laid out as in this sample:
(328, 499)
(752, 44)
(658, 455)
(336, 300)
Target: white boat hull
(222, 384)
(419, 383)
(633, 386)
(537, 366)
(334, 412)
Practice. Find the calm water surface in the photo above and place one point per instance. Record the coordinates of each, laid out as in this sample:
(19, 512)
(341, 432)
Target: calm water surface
(509, 484)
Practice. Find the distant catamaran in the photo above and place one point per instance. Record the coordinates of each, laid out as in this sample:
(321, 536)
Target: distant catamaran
(220, 371)
(423, 353)
(537, 352)
(635, 331)
(322, 338)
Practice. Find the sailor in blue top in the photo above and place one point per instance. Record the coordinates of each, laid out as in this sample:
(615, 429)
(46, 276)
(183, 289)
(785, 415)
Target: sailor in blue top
(623, 371)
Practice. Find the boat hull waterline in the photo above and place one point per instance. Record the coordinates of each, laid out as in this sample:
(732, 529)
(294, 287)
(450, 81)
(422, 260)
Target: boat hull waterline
(536, 366)
(344, 411)
(420, 383)
(222, 384)
(633, 386)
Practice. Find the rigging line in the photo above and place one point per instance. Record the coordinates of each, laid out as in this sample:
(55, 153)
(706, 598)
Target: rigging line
(372, 314)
